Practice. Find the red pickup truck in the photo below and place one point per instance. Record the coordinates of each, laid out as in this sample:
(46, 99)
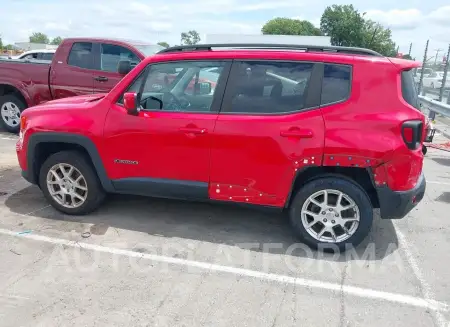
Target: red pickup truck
(80, 66)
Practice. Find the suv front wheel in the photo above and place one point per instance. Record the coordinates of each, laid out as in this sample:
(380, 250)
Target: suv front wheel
(70, 183)
(331, 213)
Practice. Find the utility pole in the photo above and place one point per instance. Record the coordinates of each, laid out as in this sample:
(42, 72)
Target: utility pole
(419, 89)
(444, 78)
(410, 47)
(437, 54)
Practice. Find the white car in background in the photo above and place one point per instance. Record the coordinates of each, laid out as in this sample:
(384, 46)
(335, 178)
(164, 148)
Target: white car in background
(41, 54)
(434, 80)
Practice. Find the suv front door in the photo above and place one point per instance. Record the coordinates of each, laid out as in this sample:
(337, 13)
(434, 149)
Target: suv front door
(269, 127)
(165, 150)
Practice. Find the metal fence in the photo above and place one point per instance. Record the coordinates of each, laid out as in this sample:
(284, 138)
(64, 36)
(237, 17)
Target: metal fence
(433, 79)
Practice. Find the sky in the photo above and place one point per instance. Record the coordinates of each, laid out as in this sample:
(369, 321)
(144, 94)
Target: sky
(163, 20)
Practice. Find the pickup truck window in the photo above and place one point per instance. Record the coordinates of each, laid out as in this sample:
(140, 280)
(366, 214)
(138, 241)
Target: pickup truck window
(81, 55)
(112, 54)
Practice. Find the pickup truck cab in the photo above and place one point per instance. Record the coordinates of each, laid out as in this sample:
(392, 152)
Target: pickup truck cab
(80, 66)
(301, 128)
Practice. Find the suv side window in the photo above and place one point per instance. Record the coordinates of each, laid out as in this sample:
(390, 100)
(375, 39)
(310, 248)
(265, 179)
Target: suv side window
(336, 83)
(185, 86)
(81, 55)
(267, 87)
(111, 54)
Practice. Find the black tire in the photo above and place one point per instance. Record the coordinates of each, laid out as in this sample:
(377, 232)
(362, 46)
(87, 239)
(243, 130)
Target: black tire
(19, 103)
(350, 188)
(96, 194)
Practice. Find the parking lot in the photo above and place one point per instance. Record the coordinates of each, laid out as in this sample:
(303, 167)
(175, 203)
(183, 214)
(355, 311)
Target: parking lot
(151, 262)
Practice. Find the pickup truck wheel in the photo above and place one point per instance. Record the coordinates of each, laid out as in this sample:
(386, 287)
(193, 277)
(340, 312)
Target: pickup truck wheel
(331, 214)
(10, 109)
(70, 183)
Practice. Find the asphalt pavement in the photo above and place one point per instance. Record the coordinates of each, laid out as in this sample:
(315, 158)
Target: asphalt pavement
(150, 262)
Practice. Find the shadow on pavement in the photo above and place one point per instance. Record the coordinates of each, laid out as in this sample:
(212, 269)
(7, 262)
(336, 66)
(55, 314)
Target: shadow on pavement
(444, 197)
(442, 161)
(206, 222)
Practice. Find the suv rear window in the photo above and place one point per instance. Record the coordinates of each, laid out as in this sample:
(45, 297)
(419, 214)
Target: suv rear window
(409, 89)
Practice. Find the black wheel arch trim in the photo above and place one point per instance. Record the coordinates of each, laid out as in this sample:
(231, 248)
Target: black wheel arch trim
(69, 138)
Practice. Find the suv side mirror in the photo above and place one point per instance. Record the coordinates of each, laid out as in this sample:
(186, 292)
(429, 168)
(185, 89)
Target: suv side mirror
(124, 67)
(130, 102)
(203, 88)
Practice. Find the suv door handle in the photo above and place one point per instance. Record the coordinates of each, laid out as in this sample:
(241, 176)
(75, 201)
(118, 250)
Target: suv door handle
(101, 78)
(297, 132)
(193, 130)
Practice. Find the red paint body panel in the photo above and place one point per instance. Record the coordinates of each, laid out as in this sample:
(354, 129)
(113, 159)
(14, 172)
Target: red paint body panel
(368, 124)
(248, 152)
(84, 115)
(248, 158)
(39, 82)
(161, 142)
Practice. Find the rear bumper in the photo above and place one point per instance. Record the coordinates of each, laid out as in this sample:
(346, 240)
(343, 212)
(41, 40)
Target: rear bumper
(396, 205)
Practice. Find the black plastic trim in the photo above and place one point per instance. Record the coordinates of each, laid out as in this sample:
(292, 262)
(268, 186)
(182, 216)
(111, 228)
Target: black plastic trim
(397, 204)
(69, 138)
(163, 188)
(267, 46)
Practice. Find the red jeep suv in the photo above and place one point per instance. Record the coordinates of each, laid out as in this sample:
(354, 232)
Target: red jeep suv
(328, 133)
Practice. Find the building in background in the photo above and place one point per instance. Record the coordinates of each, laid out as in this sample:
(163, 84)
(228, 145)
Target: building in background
(264, 38)
(26, 46)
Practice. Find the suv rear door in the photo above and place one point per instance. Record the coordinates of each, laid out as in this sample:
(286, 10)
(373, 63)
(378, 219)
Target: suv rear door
(270, 126)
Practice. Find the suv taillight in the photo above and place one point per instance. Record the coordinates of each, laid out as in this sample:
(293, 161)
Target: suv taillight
(412, 131)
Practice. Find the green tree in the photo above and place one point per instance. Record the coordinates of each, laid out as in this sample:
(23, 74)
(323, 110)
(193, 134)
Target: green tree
(190, 38)
(1, 43)
(57, 40)
(38, 37)
(164, 44)
(343, 24)
(378, 38)
(288, 26)
(8, 47)
(346, 26)
(407, 56)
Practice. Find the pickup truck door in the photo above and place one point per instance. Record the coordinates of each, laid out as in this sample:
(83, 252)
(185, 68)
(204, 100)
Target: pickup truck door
(109, 55)
(72, 70)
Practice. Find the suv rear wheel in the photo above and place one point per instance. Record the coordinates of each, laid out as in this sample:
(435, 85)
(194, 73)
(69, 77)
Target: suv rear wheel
(70, 184)
(331, 213)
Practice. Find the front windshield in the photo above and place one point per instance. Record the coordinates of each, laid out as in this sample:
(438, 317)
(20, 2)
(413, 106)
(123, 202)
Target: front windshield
(149, 49)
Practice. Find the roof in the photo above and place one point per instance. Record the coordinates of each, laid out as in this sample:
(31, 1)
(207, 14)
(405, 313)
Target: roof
(106, 39)
(276, 47)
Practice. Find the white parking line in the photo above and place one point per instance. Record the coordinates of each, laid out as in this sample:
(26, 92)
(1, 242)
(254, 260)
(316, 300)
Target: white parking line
(426, 288)
(310, 283)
